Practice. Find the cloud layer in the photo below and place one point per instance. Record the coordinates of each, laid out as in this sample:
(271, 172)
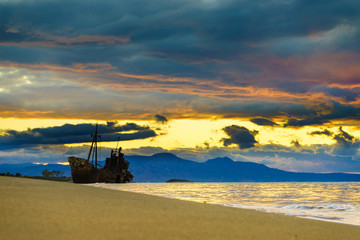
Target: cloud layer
(233, 53)
(69, 133)
(279, 64)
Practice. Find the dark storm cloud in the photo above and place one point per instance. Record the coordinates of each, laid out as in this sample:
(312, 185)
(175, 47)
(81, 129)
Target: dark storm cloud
(178, 30)
(346, 144)
(343, 138)
(69, 133)
(263, 122)
(324, 132)
(161, 119)
(295, 143)
(256, 108)
(298, 114)
(346, 94)
(240, 136)
(293, 122)
(215, 43)
(336, 111)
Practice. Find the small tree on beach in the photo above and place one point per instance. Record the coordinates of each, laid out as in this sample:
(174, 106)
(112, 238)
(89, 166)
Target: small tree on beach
(56, 174)
(45, 173)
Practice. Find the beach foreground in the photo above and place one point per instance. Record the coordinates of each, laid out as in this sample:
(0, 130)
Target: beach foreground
(36, 209)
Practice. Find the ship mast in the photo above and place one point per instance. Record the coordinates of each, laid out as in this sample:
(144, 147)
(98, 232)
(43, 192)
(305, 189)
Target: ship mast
(94, 145)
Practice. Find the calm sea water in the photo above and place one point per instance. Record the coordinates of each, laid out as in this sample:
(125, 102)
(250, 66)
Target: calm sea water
(335, 202)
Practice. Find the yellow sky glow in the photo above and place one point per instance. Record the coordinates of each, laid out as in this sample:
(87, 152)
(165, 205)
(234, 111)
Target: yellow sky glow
(191, 133)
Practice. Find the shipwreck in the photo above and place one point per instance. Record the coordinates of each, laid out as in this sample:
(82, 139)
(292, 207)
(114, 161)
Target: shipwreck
(115, 169)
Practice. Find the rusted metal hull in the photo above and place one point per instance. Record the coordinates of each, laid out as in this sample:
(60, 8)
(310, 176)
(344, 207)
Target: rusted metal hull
(84, 172)
(114, 171)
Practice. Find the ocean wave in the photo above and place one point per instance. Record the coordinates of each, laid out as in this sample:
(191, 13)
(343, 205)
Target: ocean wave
(336, 202)
(335, 207)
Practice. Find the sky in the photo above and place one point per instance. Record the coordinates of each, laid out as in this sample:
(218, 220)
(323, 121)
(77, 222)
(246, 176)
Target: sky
(275, 82)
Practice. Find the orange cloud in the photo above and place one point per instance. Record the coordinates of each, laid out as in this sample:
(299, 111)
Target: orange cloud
(322, 68)
(318, 69)
(104, 75)
(53, 41)
(101, 40)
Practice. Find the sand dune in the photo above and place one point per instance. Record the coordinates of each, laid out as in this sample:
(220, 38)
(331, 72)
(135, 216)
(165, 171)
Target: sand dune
(36, 209)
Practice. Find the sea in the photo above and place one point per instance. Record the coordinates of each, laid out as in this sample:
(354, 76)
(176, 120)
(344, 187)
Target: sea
(333, 202)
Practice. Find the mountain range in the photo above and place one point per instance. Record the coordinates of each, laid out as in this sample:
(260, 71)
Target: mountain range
(164, 166)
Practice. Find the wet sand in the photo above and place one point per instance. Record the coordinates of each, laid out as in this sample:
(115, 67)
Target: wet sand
(37, 209)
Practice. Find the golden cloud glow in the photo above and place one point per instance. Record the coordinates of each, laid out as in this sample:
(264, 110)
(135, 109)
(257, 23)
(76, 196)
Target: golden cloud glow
(205, 133)
(63, 163)
(37, 163)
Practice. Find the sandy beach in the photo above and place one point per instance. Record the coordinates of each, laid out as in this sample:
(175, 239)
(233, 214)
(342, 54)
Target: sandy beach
(36, 209)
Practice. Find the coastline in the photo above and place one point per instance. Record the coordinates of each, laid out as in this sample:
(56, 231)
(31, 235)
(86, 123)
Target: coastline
(321, 202)
(38, 209)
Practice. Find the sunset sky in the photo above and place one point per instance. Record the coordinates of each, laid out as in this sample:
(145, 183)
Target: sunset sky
(275, 82)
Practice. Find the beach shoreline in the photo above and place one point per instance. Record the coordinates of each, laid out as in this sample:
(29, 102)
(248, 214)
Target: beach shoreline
(321, 201)
(38, 209)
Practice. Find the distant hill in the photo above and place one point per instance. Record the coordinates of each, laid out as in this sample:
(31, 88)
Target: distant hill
(164, 166)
